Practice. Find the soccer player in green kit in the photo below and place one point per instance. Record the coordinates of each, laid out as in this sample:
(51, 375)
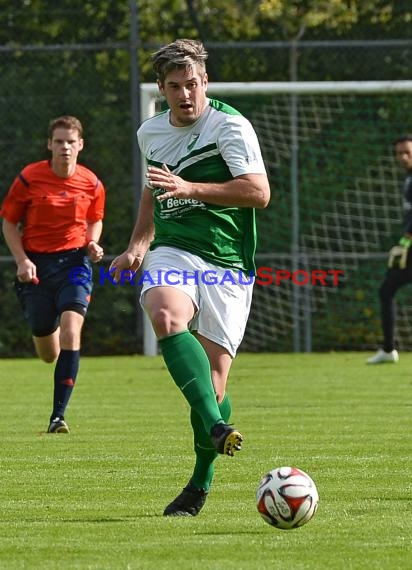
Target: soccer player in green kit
(205, 177)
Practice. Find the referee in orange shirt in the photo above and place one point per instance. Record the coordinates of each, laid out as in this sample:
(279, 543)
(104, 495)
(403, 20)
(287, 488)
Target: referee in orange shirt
(52, 223)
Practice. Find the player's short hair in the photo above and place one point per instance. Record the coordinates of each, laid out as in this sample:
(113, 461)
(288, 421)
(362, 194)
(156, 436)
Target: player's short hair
(65, 122)
(180, 54)
(403, 138)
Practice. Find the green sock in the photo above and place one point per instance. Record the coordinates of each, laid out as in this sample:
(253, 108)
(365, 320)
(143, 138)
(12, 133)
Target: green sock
(205, 452)
(189, 367)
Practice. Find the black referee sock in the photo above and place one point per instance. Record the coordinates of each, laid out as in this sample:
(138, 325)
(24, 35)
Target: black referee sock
(65, 374)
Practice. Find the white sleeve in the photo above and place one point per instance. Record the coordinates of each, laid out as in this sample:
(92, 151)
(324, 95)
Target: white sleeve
(239, 146)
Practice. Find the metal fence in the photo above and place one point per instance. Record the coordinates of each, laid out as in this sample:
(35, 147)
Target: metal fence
(39, 82)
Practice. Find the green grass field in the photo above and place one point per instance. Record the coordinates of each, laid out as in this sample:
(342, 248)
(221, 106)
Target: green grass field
(94, 499)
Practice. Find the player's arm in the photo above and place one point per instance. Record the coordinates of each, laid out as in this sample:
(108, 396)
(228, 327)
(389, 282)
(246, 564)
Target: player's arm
(239, 147)
(406, 239)
(93, 233)
(26, 269)
(142, 235)
(398, 255)
(94, 219)
(408, 227)
(244, 191)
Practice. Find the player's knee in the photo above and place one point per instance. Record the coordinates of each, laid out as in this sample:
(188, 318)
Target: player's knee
(70, 338)
(164, 323)
(71, 324)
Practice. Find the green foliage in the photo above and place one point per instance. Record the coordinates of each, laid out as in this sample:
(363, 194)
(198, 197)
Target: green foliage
(337, 15)
(94, 499)
(45, 21)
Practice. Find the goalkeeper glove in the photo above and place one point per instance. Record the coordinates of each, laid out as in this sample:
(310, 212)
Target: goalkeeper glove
(398, 255)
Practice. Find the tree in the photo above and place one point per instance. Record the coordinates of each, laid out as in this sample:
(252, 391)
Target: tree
(338, 15)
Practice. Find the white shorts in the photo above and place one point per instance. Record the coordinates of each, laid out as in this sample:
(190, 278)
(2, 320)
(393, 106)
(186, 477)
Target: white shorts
(222, 296)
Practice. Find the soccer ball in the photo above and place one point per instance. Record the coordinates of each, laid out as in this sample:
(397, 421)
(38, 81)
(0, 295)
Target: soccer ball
(287, 498)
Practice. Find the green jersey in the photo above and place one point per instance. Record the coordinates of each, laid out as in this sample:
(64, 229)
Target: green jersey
(219, 146)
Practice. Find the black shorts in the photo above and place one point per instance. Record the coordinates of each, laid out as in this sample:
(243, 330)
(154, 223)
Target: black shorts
(66, 283)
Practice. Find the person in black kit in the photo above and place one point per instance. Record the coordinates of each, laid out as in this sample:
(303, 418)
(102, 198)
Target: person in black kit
(399, 271)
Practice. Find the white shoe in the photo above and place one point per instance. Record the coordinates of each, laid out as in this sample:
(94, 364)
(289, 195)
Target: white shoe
(382, 356)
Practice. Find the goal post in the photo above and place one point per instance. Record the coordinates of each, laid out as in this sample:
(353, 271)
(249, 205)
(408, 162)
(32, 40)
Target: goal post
(335, 206)
(150, 93)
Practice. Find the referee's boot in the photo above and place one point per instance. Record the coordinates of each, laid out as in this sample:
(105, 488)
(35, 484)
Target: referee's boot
(58, 425)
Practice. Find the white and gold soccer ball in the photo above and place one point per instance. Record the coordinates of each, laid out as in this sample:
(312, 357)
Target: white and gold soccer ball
(287, 498)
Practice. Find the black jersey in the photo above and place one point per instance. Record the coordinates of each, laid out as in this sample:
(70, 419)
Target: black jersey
(407, 203)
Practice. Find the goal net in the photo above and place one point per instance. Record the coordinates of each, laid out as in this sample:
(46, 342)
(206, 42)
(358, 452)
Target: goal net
(336, 209)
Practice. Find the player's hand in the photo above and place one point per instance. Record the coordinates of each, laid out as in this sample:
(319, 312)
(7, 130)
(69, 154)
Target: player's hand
(125, 262)
(173, 185)
(94, 251)
(26, 271)
(398, 256)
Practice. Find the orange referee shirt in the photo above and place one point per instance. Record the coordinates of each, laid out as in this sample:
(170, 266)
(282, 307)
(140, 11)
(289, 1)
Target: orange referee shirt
(54, 211)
